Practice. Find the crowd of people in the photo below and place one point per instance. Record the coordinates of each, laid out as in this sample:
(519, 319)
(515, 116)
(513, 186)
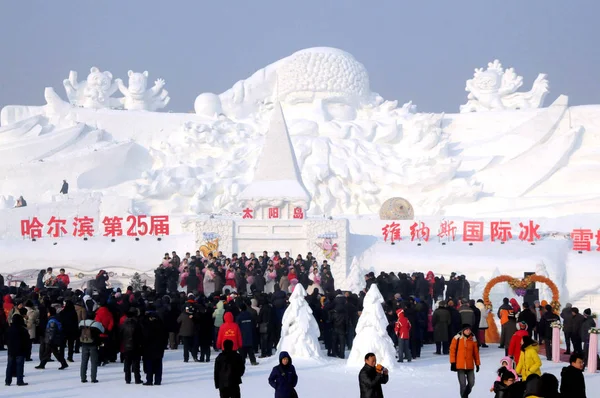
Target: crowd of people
(234, 306)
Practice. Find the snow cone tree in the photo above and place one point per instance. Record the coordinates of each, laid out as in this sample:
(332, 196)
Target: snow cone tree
(299, 328)
(355, 281)
(371, 333)
(136, 282)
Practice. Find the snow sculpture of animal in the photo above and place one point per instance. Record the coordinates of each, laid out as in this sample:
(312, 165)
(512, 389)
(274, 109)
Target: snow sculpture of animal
(137, 97)
(95, 92)
(495, 89)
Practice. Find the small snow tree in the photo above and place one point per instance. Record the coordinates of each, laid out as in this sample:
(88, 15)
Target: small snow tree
(299, 328)
(371, 333)
(136, 282)
(355, 281)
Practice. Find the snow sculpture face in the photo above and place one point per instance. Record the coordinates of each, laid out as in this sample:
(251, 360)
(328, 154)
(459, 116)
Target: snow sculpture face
(137, 82)
(333, 79)
(488, 81)
(99, 82)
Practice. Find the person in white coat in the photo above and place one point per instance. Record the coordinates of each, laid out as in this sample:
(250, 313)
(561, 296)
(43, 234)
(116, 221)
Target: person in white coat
(270, 277)
(483, 323)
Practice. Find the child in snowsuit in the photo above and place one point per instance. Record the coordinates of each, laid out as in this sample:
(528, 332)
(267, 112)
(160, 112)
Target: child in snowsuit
(506, 365)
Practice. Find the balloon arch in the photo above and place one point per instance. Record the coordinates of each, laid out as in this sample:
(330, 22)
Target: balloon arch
(519, 286)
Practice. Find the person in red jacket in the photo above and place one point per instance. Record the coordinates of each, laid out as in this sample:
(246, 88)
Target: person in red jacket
(105, 317)
(63, 278)
(229, 330)
(402, 330)
(514, 349)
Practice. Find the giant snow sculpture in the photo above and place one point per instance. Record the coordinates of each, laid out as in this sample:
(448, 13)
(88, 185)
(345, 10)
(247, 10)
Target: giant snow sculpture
(95, 92)
(138, 98)
(299, 329)
(495, 89)
(371, 333)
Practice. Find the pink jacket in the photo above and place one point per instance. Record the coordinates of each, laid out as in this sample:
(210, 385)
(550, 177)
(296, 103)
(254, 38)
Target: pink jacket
(510, 366)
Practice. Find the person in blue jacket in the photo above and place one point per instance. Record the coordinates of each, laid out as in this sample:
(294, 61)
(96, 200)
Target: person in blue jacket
(283, 377)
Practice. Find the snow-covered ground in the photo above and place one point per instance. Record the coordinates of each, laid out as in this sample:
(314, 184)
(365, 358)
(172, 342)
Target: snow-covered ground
(427, 377)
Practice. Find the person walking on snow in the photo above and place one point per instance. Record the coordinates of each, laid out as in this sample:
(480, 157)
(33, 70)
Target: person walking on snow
(572, 382)
(229, 330)
(247, 326)
(464, 359)
(529, 362)
(371, 377)
(52, 342)
(229, 369)
(514, 348)
(283, 377)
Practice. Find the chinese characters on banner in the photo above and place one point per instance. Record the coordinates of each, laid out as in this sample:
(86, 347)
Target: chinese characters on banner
(273, 213)
(83, 227)
(502, 231)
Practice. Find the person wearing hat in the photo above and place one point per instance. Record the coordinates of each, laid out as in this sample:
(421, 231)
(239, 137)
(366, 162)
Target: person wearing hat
(528, 316)
(464, 359)
(514, 348)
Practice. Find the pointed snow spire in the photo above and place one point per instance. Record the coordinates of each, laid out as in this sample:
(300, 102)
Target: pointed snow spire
(277, 177)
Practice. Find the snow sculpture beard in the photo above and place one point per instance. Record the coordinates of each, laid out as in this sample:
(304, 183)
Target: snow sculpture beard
(371, 333)
(348, 166)
(354, 149)
(299, 328)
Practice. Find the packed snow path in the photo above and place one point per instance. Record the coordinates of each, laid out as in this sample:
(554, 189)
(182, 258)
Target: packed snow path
(429, 377)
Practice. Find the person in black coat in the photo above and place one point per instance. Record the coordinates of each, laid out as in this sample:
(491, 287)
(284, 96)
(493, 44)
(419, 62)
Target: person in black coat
(572, 382)
(247, 326)
(371, 377)
(192, 278)
(340, 320)
(18, 346)
(65, 187)
(265, 327)
(153, 347)
(545, 324)
(229, 369)
(477, 314)
(131, 343)
(283, 377)
(205, 326)
(53, 340)
(70, 325)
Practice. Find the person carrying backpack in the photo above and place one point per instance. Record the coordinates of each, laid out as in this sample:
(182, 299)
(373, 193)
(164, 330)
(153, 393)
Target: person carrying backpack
(90, 332)
(53, 340)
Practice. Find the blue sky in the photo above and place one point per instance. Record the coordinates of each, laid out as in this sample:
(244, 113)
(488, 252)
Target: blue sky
(414, 50)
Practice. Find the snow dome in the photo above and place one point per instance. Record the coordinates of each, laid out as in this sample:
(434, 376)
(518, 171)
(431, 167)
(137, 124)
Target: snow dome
(208, 104)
